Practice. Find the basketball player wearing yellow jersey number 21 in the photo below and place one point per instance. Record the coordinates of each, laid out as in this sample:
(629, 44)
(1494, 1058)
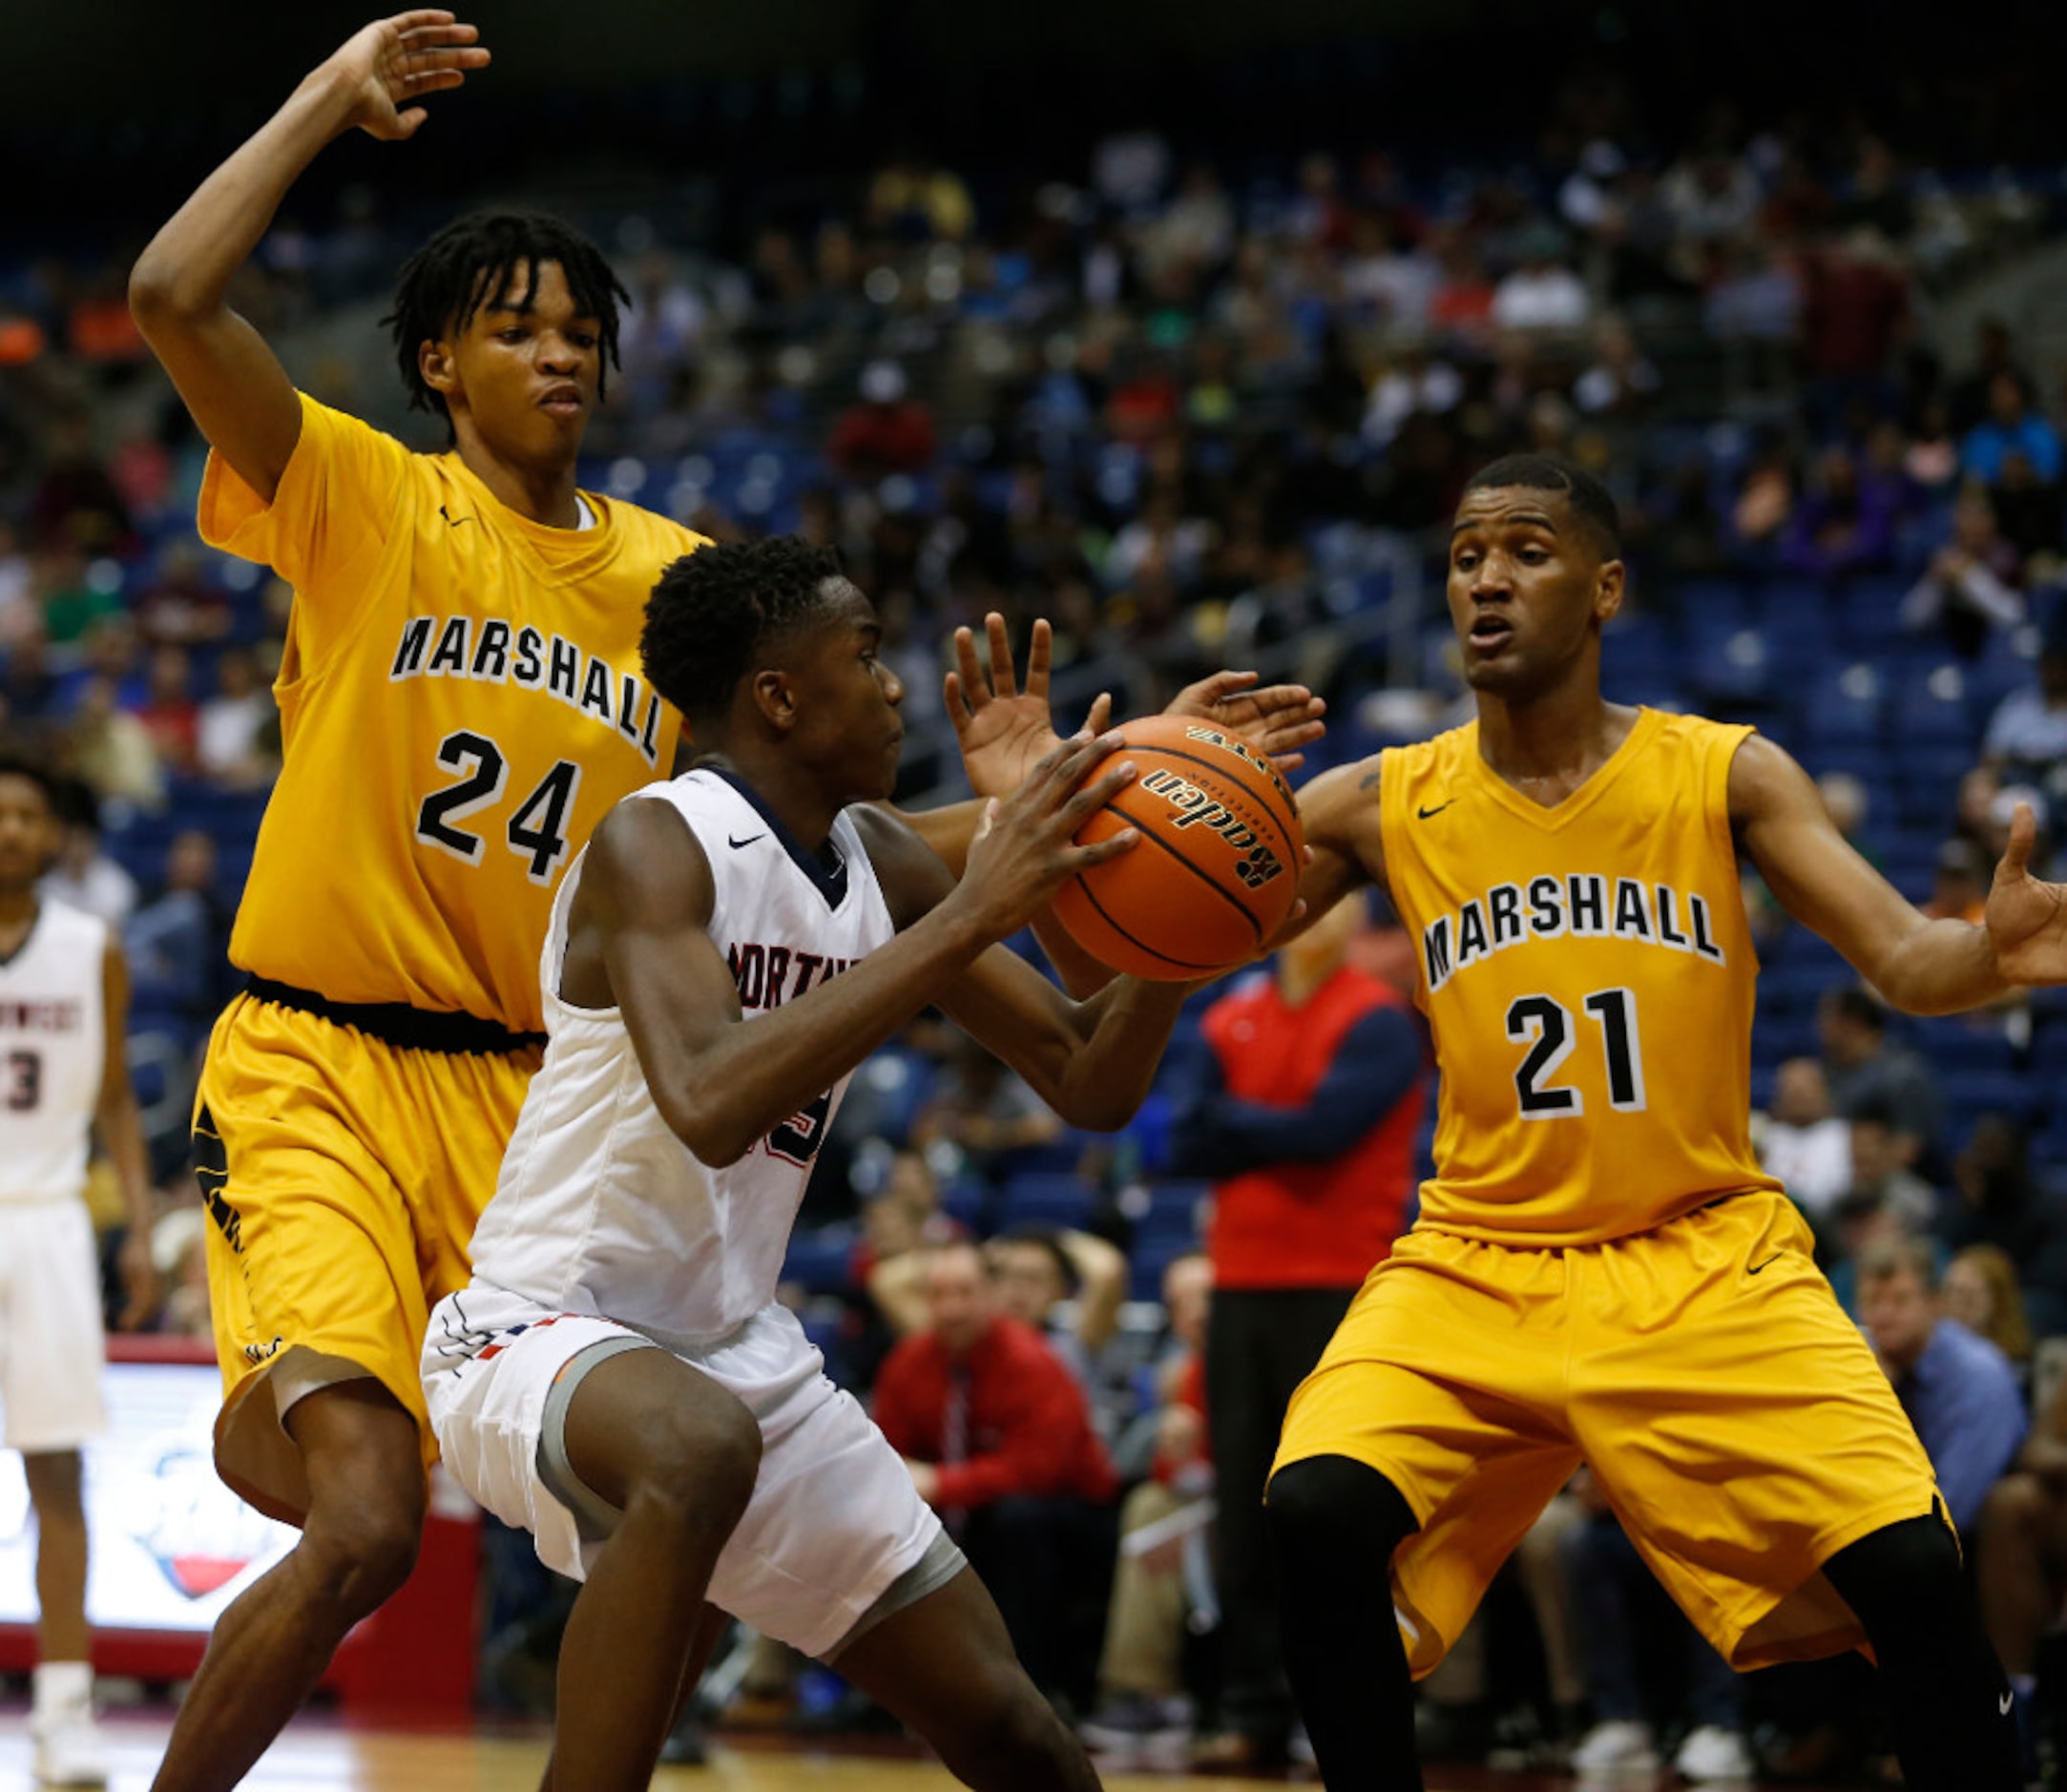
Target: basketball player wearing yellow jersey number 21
(1601, 1272)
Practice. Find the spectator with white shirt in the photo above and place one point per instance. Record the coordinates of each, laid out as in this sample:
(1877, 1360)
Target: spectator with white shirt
(1970, 586)
(1542, 295)
(82, 875)
(1806, 1144)
(233, 750)
(2027, 734)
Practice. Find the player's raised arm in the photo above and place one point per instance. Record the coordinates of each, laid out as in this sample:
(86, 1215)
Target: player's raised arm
(639, 941)
(230, 379)
(1338, 812)
(1921, 966)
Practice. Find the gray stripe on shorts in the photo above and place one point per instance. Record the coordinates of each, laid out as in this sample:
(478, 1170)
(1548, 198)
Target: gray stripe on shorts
(942, 1561)
(594, 1516)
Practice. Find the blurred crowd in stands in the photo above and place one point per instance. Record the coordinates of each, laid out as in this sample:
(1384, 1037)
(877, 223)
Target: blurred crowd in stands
(1198, 415)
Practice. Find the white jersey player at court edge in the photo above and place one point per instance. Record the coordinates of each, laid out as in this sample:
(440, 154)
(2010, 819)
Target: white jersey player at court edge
(64, 1000)
(619, 1377)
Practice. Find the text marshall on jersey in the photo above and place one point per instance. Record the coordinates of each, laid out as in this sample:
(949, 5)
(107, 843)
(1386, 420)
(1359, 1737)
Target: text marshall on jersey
(1583, 905)
(491, 650)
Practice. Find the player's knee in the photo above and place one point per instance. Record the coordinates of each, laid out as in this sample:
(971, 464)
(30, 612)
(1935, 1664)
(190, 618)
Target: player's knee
(699, 1464)
(359, 1555)
(1902, 1575)
(2017, 1502)
(1334, 1504)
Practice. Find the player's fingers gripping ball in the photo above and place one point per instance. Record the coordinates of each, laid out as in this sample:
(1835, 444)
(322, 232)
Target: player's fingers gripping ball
(1217, 870)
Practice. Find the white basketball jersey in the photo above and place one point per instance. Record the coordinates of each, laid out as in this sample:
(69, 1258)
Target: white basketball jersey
(601, 1209)
(52, 1052)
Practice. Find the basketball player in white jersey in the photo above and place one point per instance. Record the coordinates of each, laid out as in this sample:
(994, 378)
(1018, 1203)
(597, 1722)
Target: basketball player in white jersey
(64, 1002)
(619, 1378)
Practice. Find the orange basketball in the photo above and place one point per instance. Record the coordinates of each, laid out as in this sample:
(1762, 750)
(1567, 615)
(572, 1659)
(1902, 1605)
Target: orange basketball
(1217, 870)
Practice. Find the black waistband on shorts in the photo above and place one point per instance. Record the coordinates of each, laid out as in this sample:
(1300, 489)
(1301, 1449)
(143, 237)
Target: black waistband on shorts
(397, 1023)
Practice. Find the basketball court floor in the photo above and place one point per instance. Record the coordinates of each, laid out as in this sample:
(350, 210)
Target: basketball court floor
(317, 1755)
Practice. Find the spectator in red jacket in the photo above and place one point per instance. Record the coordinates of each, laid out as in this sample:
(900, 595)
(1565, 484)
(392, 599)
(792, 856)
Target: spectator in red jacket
(887, 431)
(998, 1438)
(1303, 1110)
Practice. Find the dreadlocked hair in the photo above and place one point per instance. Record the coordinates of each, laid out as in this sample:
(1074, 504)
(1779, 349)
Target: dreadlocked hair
(1590, 501)
(494, 258)
(714, 610)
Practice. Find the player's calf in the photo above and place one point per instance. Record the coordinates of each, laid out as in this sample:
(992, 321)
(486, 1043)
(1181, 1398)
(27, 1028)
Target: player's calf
(1008, 1738)
(1336, 1523)
(945, 1665)
(1947, 1697)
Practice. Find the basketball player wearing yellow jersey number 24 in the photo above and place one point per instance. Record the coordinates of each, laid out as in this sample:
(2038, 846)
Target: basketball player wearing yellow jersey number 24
(1601, 1272)
(461, 703)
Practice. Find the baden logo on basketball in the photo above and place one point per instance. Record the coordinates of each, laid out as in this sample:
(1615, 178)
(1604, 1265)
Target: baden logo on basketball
(1206, 888)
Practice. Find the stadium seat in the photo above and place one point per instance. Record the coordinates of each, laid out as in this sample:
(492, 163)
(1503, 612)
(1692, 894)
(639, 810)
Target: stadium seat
(1930, 704)
(819, 1258)
(1841, 706)
(1043, 1198)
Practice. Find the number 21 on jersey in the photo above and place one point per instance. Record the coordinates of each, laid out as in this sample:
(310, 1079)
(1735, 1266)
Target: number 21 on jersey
(1548, 1028)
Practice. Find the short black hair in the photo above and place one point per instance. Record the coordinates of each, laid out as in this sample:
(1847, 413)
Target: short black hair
(713, 608)
(1049, 1241)
(19, 763)
(1855, 1004)
(1591, 501)
(494, 258)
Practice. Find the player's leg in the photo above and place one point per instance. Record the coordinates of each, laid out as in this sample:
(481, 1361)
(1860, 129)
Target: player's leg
(945, 1666)
(54, 1480)
(363, 1455)
(673, 1457)
(50, 1389)
(2021, 1562)
(1406, 1476)
(1336, 1523)
(1739, 1483)
(1948, 1697)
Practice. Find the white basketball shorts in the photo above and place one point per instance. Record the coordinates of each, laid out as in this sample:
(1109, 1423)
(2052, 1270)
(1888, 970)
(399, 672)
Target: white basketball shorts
(51, 1348)
(834, 1519)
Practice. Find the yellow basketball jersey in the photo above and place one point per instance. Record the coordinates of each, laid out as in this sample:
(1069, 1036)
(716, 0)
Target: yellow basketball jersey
(461, 702)
(1589, 975)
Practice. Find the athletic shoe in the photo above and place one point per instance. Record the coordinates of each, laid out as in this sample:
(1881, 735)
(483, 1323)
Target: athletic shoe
(1712, 1753)
(1140, 1729)
(1615, 1746)
(687, 1745)
(1238, 1752)
(69, 1751)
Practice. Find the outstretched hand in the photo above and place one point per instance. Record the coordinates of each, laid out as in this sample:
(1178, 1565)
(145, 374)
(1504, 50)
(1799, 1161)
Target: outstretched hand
(394, 63)
(1276, 720)
(1003, 731)
(1024, 846)
(2026, 917)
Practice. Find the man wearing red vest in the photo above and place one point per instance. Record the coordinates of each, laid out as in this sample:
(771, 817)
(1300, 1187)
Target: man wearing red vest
(998, 1437)
(1303, 1110)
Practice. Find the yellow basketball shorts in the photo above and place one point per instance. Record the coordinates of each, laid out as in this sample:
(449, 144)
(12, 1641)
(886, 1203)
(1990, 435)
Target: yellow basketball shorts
(342, 1177)
(1736, 1420)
